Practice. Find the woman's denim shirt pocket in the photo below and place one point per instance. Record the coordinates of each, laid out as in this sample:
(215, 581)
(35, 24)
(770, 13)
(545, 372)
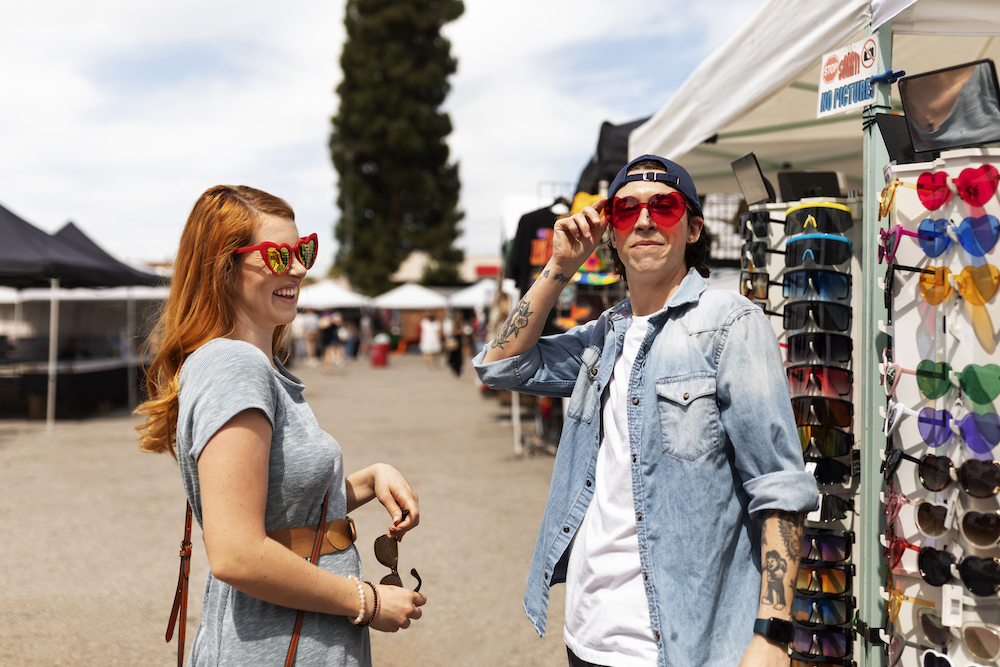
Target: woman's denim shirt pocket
(683, 402)
(586, 394)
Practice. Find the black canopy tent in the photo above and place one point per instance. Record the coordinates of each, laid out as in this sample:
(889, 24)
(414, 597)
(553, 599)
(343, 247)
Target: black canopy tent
(31, 258)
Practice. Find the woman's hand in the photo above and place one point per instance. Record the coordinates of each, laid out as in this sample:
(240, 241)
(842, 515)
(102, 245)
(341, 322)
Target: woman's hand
(396, 494)
(396, 608)
(576, 237)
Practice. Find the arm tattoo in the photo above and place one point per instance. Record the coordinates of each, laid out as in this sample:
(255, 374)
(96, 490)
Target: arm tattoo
(516, 321)
(561, 278)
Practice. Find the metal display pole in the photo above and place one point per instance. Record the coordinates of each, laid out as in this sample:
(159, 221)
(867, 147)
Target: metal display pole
(871, 607)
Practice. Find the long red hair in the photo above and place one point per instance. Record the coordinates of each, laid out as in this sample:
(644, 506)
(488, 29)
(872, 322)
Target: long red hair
(201, 305)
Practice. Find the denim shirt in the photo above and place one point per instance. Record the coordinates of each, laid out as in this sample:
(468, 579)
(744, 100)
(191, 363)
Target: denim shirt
(713, 442)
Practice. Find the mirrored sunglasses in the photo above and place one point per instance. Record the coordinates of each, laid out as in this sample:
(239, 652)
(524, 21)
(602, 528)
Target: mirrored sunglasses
(822, 611)
(278, 256)
(814, 380)
(665, 210)
(829, 442)
(823, 411)
(832, 580)
(821, 643)
(828, 547)
(817, 284)
(825, 347)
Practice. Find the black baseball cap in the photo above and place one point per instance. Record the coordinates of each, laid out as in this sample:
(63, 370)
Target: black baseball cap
(675, 176)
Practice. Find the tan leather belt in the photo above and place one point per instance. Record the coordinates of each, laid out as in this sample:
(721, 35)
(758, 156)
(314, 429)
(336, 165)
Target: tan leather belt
(340, 534)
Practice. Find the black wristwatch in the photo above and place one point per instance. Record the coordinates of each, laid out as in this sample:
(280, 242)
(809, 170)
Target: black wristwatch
(775, 629)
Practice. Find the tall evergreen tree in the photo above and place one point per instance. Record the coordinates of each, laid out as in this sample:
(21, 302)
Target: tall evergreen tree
(398, 191)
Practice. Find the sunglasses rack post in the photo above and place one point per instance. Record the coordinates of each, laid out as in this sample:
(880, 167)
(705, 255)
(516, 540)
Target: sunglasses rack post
(948, 315)
(808, 286)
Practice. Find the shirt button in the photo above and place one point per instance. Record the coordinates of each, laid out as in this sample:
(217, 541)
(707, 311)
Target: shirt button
(645, 347)
(633, 458)
(686, 396)
(565, 529)
(657, 635)
(546, 576)
(645, 576)
(621, 338)
(638, 517)
(588, 482)
(593, 371)
(635, 401)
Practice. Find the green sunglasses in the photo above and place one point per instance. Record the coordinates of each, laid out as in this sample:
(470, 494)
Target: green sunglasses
(980, 383)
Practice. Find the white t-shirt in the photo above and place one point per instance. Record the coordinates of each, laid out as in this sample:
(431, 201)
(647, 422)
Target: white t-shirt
(607, 612)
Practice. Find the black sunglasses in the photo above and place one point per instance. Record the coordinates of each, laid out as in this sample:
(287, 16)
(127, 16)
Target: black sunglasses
(825, 546)
(827, 347)
(831, 471)
(387, 553)
(980, 479)
(826, 411)
(755, 223)
(980, 575)
(890, 279)
(821, 249)
(835, 508)
(826, 315)
(818, 218)
(754, 255)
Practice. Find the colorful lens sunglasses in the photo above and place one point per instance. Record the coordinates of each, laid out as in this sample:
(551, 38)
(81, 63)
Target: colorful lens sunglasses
(980, 432)
(754, 284)
(822, 611)
(980, 383)
(976, 235)
(825, 218)
(821, 283)
(827, 347)
(810, 643)
(975, 185)
(822, 249)
(897, 597)
(835, 580)
(278, 256)
(828, 441)
(889, 241)
(828, 381)
(981, 529)
(976, 284)
(827, 411)
(665, 210)
(828, 547)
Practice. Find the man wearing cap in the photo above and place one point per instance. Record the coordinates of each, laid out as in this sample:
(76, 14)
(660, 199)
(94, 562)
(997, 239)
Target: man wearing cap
(679, 463)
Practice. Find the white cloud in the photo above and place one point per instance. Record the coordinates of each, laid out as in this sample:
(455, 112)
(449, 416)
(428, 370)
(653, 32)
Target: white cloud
(117, 115)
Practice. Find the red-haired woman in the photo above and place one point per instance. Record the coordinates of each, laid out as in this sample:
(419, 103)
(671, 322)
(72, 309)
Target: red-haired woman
(252, 457)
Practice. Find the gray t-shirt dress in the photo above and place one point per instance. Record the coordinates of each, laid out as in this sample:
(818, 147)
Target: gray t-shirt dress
(218, 381)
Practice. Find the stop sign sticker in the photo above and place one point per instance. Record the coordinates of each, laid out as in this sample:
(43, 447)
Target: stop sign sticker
(830, 68)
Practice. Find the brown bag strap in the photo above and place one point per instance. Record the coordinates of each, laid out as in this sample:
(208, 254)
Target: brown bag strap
(315, 554)
(178, 613)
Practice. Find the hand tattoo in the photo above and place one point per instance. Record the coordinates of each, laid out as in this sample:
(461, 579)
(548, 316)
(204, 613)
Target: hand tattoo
(516, 321)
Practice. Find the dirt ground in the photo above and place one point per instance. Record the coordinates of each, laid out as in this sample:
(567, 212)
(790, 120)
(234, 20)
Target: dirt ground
(91, 526)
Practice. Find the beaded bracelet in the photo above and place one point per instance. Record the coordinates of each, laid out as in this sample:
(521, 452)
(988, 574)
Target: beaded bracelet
(361, 593)
(375, 606)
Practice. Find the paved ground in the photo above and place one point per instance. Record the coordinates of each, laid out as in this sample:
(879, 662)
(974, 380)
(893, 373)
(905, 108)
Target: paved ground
(90, 527)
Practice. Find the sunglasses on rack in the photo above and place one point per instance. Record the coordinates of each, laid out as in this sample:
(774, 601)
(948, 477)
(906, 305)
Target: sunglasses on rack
(278, 256)
(831, 471)
(826, 347)
(889, 241)
(897, 598)
(814, 380)
(822, 611)
(820, 284)
(822, 643)
(754, 255)
(930, 517)
(821, 249)
(890, 280)
(980, 432)
(976, 284)
(889, 373)
(976, 235)
(829, 442)
(754, 284)
(665, 210)
(831, 580)
(826, 411)
(982, 640)
(754, 223)
(834, 508)
(825, 218)
(894, 549)
(979, 479)
(799, 660)
(981, 576)
(981, 384)
(975, 186)
(829, 547)
(387, 553)
(825, 314)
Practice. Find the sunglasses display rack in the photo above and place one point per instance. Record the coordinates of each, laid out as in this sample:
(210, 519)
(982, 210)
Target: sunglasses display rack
(941, 383)
(799, 264)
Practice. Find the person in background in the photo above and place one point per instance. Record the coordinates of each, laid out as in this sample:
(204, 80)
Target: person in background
(679, 465)
(430, 340)
(256, 466)
(310, 324)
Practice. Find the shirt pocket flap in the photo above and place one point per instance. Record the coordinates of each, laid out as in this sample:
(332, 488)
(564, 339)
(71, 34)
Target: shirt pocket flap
(684, 391)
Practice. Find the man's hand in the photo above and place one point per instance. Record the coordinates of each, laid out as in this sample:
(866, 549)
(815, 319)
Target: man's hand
(763, 652)
(575, 238)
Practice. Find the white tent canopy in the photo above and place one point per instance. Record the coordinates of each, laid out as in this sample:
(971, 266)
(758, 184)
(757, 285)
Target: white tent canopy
(478, 295)
(758, 91)
(326, 294)
(410, 296)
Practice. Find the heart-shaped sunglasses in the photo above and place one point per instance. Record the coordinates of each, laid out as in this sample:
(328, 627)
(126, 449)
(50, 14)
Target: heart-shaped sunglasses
(665, 210)
(975, 185)
(278, 256)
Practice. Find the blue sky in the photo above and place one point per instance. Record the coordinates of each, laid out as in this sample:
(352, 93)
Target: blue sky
(117, 115)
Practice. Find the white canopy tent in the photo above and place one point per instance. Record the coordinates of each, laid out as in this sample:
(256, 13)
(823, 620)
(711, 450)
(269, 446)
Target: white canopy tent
(410, 296)
(478, 295)
(758, 91)
(326, 294)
